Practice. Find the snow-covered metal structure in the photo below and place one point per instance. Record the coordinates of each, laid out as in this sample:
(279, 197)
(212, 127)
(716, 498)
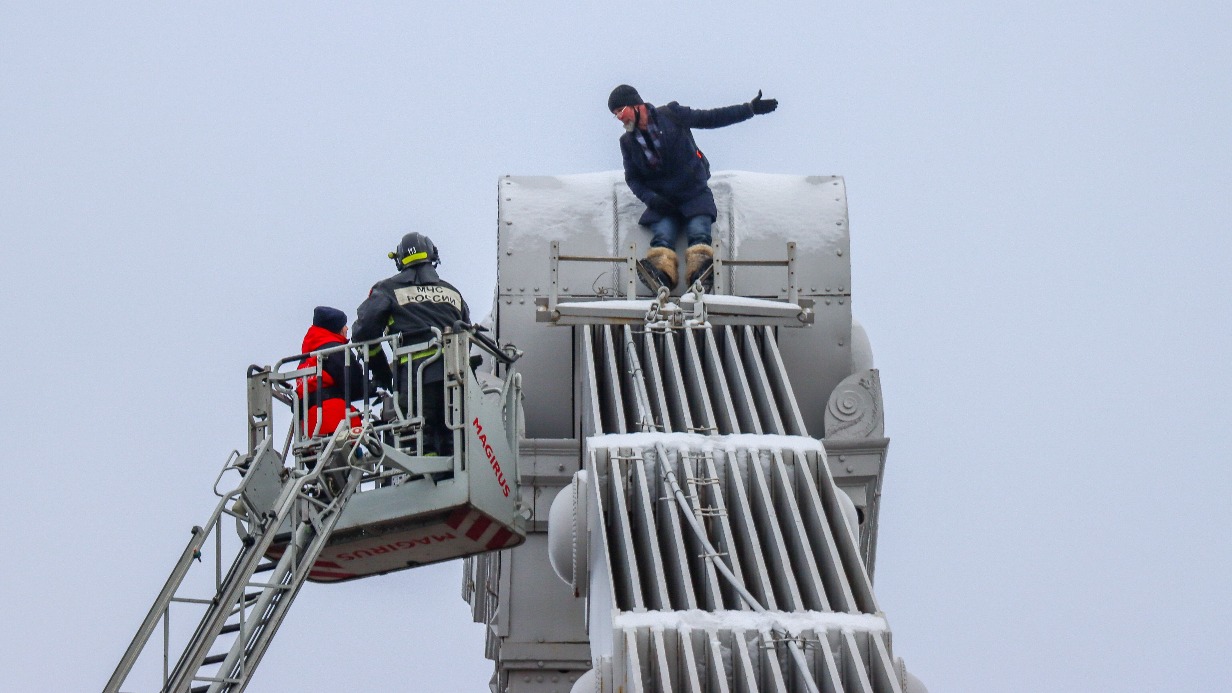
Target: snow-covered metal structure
(703, 470)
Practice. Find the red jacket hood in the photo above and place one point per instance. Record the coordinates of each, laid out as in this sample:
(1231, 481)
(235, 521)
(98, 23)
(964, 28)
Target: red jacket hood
(319, 338)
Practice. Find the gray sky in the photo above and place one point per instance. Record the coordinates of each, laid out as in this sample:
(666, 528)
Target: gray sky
(1040, 248)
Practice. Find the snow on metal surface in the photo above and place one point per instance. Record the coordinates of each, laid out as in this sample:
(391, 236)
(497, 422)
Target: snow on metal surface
(794, 621)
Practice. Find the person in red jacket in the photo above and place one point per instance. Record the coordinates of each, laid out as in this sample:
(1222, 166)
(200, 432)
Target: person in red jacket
(326, 397)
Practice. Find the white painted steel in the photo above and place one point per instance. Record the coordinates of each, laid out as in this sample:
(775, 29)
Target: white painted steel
(722, 554)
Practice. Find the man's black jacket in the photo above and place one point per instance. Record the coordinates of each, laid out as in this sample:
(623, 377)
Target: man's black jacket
(679, 179)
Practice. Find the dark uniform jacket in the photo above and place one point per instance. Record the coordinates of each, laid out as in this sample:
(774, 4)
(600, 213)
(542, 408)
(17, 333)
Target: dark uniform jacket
(678, 179)
(411, 302)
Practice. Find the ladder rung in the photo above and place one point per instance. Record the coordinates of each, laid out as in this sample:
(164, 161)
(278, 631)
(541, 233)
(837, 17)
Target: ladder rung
(229, 628)
(213, 659)
(199, 689)
(266, 567)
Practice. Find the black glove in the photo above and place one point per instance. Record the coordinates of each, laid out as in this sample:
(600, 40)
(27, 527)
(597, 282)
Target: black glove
(661, 205)
(760, 105)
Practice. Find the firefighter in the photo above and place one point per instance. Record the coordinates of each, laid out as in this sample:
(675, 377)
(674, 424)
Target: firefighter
(411, 303)
(327, 395)
(665, 170)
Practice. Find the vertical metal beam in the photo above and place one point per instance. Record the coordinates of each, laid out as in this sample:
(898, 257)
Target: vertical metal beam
(653, 369)
(855, 678)
(695, 384)
(664, 672)
(784, 395)
(554, 262)
(635, 382)
(711, 598)
(674, 385)
(716, 670)
(857, 575)
(642, 505)
(610, 374)
(716, 377)
(817, 525)
(592, 417)
(884, 678)
(625, 574)
(676, 561)
(744, 674)
(777, 559)
(726, 538)
(801, 549)
(771, 671)
(831, 678)
(763, 395)
(631, 273)
(744, 528)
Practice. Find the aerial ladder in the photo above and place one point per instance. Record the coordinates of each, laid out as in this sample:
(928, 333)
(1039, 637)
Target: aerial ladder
(358, 501)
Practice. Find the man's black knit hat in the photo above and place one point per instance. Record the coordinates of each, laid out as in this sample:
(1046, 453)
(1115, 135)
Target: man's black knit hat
(328, 318)
(622, 96)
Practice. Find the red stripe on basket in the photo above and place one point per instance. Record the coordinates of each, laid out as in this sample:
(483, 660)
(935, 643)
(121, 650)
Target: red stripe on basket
(456, 518)
(500, 538)
(481, 525)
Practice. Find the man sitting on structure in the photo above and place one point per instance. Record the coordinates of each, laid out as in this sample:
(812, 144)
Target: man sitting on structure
(665, 170)
(411, 303)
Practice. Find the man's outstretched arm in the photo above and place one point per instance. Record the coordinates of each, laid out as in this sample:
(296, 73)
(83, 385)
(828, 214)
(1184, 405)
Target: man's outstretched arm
(705, 119)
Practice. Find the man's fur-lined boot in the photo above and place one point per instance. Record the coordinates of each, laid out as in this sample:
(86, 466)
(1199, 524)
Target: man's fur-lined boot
(698, 260)
(658, 269)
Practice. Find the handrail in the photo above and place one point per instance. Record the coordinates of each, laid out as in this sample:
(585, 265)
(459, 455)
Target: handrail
(381, 407)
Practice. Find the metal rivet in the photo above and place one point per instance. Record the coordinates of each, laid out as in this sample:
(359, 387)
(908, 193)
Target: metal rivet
(840, 253)
(850, 469)
(841, 302)
(841, 458)
(840, 342)
(510, 252)
(509, 223)
(827, 301)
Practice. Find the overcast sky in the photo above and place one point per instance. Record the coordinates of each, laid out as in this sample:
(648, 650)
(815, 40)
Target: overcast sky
(1040, 242)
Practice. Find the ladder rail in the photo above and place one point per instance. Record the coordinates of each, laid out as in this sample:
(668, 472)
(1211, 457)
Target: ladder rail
(292, 571)
(165, 596)
(231, 592)
(228, 589)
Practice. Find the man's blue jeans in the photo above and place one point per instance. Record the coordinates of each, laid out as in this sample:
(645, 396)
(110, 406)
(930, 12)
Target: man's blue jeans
(666, 229)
